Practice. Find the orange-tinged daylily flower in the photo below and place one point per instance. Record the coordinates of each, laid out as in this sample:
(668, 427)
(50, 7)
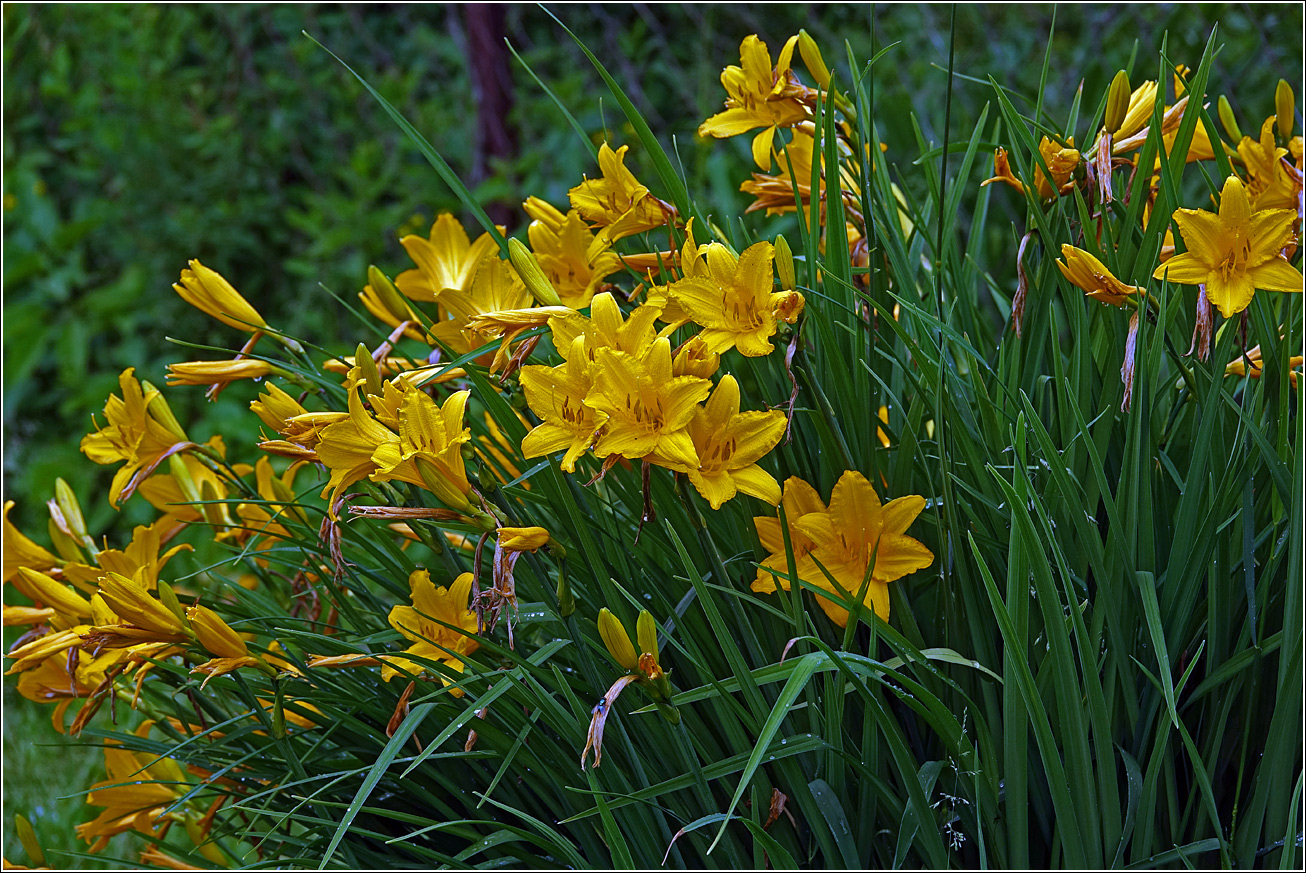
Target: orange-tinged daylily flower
(424, 623)
(853, 537)
(1270, 181)
(134, 433)
(760, 96)
(563, 246)
(729, 445)
(776, 193)
(557, 396)
(1086, 272)
(1235, 251)
(617, 202)
(446, 261)
(1251, 363)
(1061, 162)
(213, 295)
(647, 408)
(735, 300)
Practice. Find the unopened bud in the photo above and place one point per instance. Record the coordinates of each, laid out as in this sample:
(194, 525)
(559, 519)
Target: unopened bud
(566, 600)
(1283, 100)
(388, 294)
(784, 264)
(161, 412)
(367, 368)
(169, 599)
(71, 510)
(1227, 119)
(1117, 102)
(532, 274)
(811, 54)
(646, 632)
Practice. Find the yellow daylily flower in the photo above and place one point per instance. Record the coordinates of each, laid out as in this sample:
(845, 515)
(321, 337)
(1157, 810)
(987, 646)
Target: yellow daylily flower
(180, 492)
(846, 538)
(557, 396)
(523, 539)
(20, 551)
(729, 444)
(735, 301)
(140, 561)
(1234, 252)
(446, 261)
(1270, 183)
(135, 433)
(213, 295)
(694, 358)
(421, 623)
(760, 96)
(496, 287)
(616, 202)
(139, 789)
(606, 328)
(428, 452)
(1141, 101)
(563, 246)
(346, 448)
(647, 408)
(1084, 271)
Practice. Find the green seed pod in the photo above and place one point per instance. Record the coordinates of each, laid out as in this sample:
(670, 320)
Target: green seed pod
(1283, 100)
(1117, 102)
(1227, 119)
(532, 274)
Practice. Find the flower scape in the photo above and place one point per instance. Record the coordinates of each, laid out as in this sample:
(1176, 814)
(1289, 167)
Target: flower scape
(891, 590)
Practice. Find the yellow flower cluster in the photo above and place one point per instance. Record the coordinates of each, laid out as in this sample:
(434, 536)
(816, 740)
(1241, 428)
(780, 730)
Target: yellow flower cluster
(1228, 254)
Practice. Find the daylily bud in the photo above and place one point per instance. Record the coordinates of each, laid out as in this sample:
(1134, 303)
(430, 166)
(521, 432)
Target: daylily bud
(219, 372)
(646, 632)
(1226, 118)
(811, 54)
(523, 539)
(386, 292)
(444, 490)
(214, 634)
(566, 600)
(367, 366)
(784, 264)
(169, 599)
(1283, 101)
(617, 640)
(161, 412)
(213, 295)
(73, 521)
(532, 274)
(1117, 102)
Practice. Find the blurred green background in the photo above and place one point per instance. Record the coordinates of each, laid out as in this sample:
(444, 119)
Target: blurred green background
(137, 137)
